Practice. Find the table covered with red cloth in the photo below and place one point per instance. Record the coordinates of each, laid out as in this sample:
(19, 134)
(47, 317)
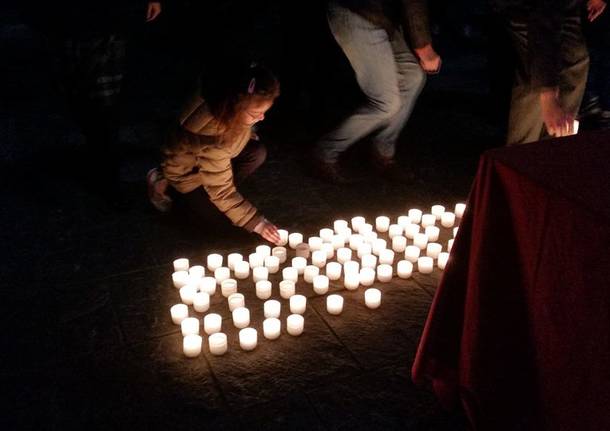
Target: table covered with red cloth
(518, 333)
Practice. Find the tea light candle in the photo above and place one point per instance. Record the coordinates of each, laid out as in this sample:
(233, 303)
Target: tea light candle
(295, 324)
(420, 240)
(357, 222)
(242, 270)
(365, 228)
(283, 237)
(378, 245)
(221, 274)
(187, 293)
(255, 260)
(214, 261)
(340, 226)
(212, 323)
(459, 210)
(351, 280)
(455, 231)
(425, 265)
(386, 257)
(443, 257)
(181, 264)
(351, 267)
(263, 289)
(320, 284)
(384, 273)
(310, 272)
(179, 312)
(191, 345)
(428, 220)
(272, 328)
(333, 270)
(367, 276)
(399, 243)
(248, 338)
(415, 215)
(260, 273)
(433, 249)
(218, 343)
(180, 278)
(447, 219)
(295, 239)
(299, 263)
(263, 250)
(369, 237)
(318, 258)
(412, 253)
(382, 223)
(232, 259)
(287, 288)
(355, 240)
(208, 285)
(437, 211)
(364, 249)
(201, 302)
(372, 298)
(272, 308)
(281, 253)
(326, 234)
(334, 304)
(404, 221)
(241, 317)
(315, 243)
(395, 230)
(228, 287)
(449, 245)
(411, 230)
(272, 263)
(343, 255)
(190, 325)
(433, 232)
(302, 250)
(404, 268)
(369, 261)
(196, 272)
(338, 241)
(236, 300)
(298, 303)
(328, 249)
(290, 274)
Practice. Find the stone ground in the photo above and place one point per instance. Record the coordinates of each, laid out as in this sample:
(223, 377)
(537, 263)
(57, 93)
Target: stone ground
(88, 339)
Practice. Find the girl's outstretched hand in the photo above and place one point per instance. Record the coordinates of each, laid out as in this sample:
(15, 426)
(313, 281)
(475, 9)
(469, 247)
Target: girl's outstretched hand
(268, 231)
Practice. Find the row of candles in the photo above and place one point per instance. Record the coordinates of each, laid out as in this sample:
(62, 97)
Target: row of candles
(195, 288)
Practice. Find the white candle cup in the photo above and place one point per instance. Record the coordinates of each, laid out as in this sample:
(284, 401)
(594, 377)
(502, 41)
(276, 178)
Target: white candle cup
(411, 230)
(201, 302)
(355, 240)
(299, 263)
(404, 268)
(260, 273)
(263, 289)
(455, 231)
(344, 254)
(367, 276)
(364, 249)
(212, 323)
(310, 272)
(214, 261)
(228, 287)
(365, 228)
(415, 215)
(412, 253)
(333, 270)
(320, 284)
(189, 326)
(283, 237)
(425, 265)
(340, 225)
(326, 234)
(395, 230)
(221, 274)
(287, 288)
(295, 324)
(187, 294)
(459, 210)
(447, 219)
(248, 338)
(242, 270)
(399, 243)
(437, 211)
(232, 259)
(179, 312)
(428, 220)
(302, 250)
(236, 300)
(378, 245)
(263, 250)
(191, 345)
(290, 274)
(281, 253)
(218, 344)
(369, 237)
(420, 240)
(295, 239)
(351, 281)
(403, 221)
(180, 279)
(328, 249)
(357, 222)
(298, 304)
(338, 241)
(384, 273)
(196, 272)
(241, 317)
(351, 267)
(272, 328)
(450, 245)
(386, 257)
(382, 223)
(318, 258)
(369, 261)
(181, 264)
(433, 232)
(433, 249)
(272, 263)
(372, 298)
(334, 304)
(443, 257)
(255, 260)
(272, 308)
(208, 285)
(576, 125)
(315, 243)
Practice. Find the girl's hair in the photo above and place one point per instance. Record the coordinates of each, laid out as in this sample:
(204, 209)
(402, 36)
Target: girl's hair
(232, 92)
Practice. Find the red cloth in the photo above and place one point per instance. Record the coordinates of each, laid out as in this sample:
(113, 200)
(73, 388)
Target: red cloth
(519, 329)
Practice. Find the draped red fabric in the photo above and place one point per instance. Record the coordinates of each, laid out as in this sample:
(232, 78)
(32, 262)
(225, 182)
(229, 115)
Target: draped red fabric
(518, 334)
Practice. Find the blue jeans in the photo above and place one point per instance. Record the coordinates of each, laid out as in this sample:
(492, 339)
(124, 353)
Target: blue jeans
(388, 74)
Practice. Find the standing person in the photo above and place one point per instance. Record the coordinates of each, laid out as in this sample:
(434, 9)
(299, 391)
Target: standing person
(552, 63)
(213, 149)
(390, 73)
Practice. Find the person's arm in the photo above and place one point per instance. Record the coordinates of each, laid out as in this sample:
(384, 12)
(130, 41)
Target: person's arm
(415, 22)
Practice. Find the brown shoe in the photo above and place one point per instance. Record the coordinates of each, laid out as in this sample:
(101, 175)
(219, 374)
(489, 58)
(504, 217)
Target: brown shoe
(389, 169)
(330, 172)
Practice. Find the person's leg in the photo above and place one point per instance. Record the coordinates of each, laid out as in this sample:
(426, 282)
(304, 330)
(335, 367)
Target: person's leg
(249, 160)
(575, 60)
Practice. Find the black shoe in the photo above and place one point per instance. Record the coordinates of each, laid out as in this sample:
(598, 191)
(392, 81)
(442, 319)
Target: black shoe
(390, 171)
(330, 172)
